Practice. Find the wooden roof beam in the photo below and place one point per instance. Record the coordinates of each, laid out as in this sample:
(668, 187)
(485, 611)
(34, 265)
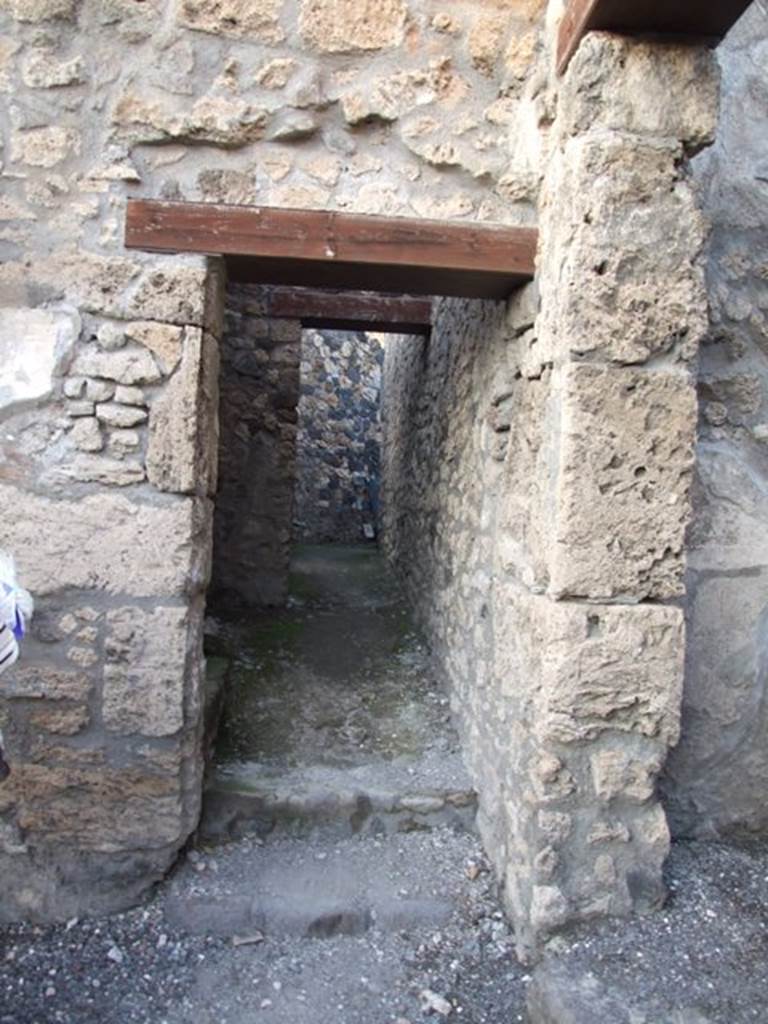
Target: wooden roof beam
(322, 249)
(703, 20)
(351, 311)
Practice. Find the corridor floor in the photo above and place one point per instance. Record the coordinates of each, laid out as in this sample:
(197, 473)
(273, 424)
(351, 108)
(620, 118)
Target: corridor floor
(331, 714)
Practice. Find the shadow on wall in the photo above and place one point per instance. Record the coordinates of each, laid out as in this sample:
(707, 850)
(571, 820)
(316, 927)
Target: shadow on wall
(338, 442)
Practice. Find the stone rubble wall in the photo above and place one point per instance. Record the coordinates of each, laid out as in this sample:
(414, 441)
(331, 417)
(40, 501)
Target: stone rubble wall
(259, 388)
(106, 474)
(537, 467)
(718, 775)
(108, 449)
(339, 436)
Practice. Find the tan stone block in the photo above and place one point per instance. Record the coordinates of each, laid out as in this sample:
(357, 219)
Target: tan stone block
(610, 669)
(164, 340)
(99, 808)
(178, 428)
(252, 19)
(276, 73)
(617, 774)
(44, 147)
(144, 675)
(40, 682)
(41, 70)
(638, 86)
(92, 543)
(485, 41)
(116, 415)
(64, 721)
(86, 435)
(623, 230)
(623, 491)
(225, 121)
(174, 292)
(349, 26)
(102, 470)
(520, 53)
(42, 10)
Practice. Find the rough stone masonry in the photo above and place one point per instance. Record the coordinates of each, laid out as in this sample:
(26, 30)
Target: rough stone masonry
(552, 438)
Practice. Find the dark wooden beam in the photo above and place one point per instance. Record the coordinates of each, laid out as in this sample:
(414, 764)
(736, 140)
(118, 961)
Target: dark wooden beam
(351, 311)
(324, 249)
(706, 20)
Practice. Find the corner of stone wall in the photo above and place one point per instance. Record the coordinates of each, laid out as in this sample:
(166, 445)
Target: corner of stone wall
(590, 633)
(105, 496)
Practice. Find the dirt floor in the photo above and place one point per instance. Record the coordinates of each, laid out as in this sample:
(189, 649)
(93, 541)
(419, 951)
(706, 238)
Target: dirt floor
(304, 908)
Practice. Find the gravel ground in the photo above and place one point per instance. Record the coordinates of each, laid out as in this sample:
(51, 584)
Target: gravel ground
(707, 950)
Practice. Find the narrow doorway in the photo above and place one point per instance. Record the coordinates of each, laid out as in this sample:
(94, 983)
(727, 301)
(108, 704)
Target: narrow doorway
(326, 713)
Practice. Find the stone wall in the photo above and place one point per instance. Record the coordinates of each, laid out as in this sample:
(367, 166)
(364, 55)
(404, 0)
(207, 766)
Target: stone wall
(718, 775)
(338, 445)
(108, 452)
(537, 469)
(107, 464)
(257, 453)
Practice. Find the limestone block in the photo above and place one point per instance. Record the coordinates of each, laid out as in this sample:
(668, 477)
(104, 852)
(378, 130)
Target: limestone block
(164, 340)
(640, 87)
(41, 70)
(176, 293)
(179, 425)
(86, 435)
(485, 41)
(145, 671)
(611, 669)
(126, 366)
(228, 122)
(349, 26)
(62, 721)
(251, 19)
(623, 232)
(99, 808)
(102, 470)
(618, 775)
(388, 98)
(275, 73)
(43, 10)
(44, 147)
(92, 543)
(623, 489)
(41, 682)
(35, 346)
(116, 415)
(127, 395)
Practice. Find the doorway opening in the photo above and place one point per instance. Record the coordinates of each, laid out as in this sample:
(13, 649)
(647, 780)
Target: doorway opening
(325, 712)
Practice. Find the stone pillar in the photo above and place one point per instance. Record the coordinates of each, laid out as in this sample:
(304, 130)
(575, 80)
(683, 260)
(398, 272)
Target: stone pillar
(590, 637)
(105, 499)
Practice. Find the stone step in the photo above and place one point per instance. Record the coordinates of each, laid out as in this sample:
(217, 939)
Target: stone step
(369, 799)
(317, 888)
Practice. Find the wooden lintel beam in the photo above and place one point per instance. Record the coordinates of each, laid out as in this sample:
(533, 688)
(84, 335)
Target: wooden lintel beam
(325, 249)
(352, 311)
(324, 323)
(705, 20)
